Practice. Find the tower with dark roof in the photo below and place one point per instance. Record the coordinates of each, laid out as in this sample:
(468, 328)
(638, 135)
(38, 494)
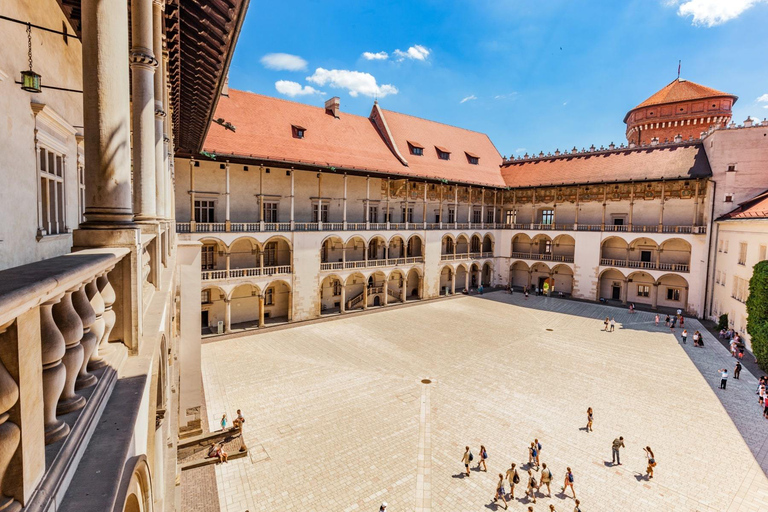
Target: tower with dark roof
(681, 108)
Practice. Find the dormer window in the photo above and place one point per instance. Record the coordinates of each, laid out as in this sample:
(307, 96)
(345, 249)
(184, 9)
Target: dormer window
(472, 158)
(298, 131)
(415, 148)
(442, 153)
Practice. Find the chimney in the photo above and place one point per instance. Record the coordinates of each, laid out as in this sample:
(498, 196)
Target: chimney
(678, 138)
(748, 122)
(225, 87)
(655, 141)
(332, 106)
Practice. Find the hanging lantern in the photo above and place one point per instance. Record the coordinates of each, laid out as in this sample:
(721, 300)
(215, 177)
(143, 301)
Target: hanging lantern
(30, 81)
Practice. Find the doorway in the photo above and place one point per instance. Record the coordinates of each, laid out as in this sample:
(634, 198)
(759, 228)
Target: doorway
(377, 301)
(616, 292)
(204, 319)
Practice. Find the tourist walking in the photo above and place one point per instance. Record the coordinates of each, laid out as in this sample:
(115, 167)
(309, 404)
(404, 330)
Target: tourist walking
(513, 478)
(737, 370)
(239, 421)
(383, 507)
(651, 461)
(525, 292)
(666, 321)
(606, 324)
(466, 459)
(589, 419)
(483, 456)
(723, 378)
(500, 491)
(684, 335)
(546, 478)
(538, 450)
(657, 320)
(576, 508)
(533, 456)
(618, 443)
(532, 486)
(568, 482)
(613, 324)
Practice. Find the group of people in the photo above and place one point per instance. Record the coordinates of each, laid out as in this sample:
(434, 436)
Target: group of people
(697, 339)
(762, 394)
(672, 321)
(217, 450)
(609, 323)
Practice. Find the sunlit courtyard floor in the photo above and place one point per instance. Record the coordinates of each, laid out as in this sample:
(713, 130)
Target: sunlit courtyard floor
(338, 419)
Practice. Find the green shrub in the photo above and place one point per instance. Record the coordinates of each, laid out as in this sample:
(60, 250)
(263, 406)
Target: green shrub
(757, 313)
(722, 323)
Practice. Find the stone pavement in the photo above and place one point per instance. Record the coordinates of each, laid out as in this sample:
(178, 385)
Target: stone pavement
(339, 420)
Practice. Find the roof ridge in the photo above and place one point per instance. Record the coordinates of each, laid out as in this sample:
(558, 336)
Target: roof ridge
(436, 122)
(602, 151)
(292, 102)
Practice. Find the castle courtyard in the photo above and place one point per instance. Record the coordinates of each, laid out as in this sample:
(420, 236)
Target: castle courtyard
(339, 419)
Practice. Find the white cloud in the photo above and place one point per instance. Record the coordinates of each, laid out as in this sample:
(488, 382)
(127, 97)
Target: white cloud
(294, 89)
(712, 12)
(565, 103)
(468, 98)
(284, 62)
(763, 99)
(520, 150)
(415, 52)
(375, 56)
(355, 82)
(505, 96)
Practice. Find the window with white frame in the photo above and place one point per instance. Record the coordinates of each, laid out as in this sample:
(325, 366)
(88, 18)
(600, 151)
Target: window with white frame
(270, 211)
(643, 290)
(205, 211)
(547, 217)
(269, 297)
(511, 217)
(270, 254)
(673, 294)
(406, 214)
(53, 204)
(548, 247)
(742, 253)
(477, 215)
(451, 215)
(320, 212)
(373, 214)
(761, 253)
(490, 215)
(208, 257)
(336, 288)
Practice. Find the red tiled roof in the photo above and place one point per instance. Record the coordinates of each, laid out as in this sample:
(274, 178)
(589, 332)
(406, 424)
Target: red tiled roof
(647, 163)
(263, 131)
(755, 208)
(683, 90)
(449, 139)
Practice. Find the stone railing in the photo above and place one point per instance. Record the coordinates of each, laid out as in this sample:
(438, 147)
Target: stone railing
(257, 227)
(213, 275)
(56, 319)
(541, 257)
(646, 265)
(389, 262)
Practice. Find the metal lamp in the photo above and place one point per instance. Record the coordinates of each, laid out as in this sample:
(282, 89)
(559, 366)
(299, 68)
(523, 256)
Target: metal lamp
(30, 81)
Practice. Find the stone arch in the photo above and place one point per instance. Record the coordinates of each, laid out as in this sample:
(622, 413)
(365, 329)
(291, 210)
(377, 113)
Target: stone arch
(446, 278)
(277, 251)
(244, 305)
(462, 244)
(353, 287)
(355, 248)
(614, 248)
(542, 244)
(376, 247)
(674, 251)
(136, 492)
(541, 276)
(413, 284)
(564, 246)
(415, 246)
(213, 254)
(488, 243)
(462, 277)
(640, 287)
(448, 244)
(331, 296)
(563, 279)
(518, 274)
(486, 277)
(672, 291)
(377, 282)
(396, 247)
(332, 249)
(396, 282)
(278, 297)
(244, 252)
(612, 285)
(475, 243)
(522, 243)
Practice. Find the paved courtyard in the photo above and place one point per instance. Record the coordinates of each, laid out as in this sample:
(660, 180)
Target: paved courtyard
(339, 420)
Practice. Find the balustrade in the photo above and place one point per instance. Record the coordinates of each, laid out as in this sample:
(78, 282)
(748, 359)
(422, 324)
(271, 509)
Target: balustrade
(646, 265)
(10, 433)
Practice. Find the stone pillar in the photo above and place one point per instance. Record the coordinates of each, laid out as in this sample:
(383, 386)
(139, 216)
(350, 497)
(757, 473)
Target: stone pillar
(403, 289)
(368, 202)
(227, 315)
(89, 340)
(261, 310)
(466, 281)
(143, 64)
(226, 261)
(389, 188)
(54, 372)
(190, 376)
(453, 282)
(10, 433)
(455, 209)
(106, 113)
(624, 286)
(192, 222)
(365, 295)
(469, 208)
(696, 206)
(530, 279)
(71, 328)
(157, 26)
(108, 296)
(293, 191)
(385, 292)
(227, 218)
(654, 295)
(343, 303)
(344, 212)
(661, 208)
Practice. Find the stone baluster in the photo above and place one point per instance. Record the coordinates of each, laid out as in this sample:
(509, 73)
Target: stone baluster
(10, 434)
(54, 373)
(108, 296)
(89, 339)
(71, 327)
(97, 328)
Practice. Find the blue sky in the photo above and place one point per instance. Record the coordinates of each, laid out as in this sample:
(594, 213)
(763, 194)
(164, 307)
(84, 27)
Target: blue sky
(534, 75)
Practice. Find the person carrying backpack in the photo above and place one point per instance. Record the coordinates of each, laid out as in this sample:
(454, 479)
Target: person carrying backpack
(500, 492)
(466, 459)
(568, 482)
(483, 456)
(546, 478)
(513, 478)
(532, 486)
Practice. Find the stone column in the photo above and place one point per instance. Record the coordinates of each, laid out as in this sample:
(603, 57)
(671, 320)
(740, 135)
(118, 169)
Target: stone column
(482, 209)
(455, 208)
(293, 189)
(227, 315)
(89, 340)
(108, 297)
(696, 206)
(157, 26)
(365, 295)
(71, 328)
(261, 310)
(10, 433)
(654, 295)
(106, 113)
(385, 292)
(466, 281)
(661, 208)
(453, 282)
(192, 222)
(424, 208)
(227, 218)
(343, 303)
(368, 202)
(403, 289)
(344, 212)
(143, 64)
(624, 286)
(54, 372)
(469, 208)
(389, 188)
(190, 378)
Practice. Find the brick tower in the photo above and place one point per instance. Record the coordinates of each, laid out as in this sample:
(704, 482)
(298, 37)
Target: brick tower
(681, 108)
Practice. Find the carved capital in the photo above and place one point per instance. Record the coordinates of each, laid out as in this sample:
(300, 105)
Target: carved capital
(143, 57)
